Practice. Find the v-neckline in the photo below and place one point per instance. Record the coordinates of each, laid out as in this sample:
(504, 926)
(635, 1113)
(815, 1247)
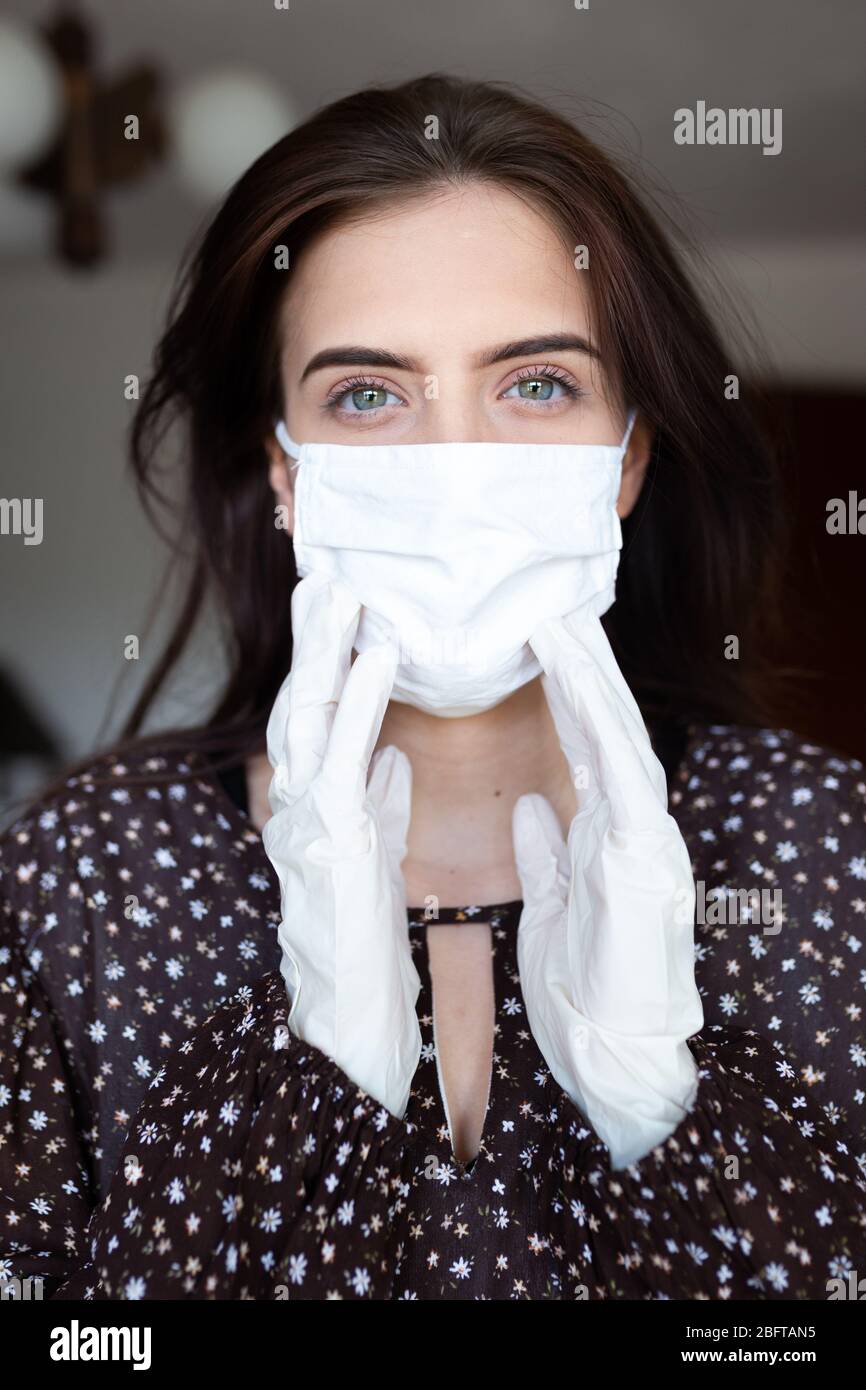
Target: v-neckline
(502, 920)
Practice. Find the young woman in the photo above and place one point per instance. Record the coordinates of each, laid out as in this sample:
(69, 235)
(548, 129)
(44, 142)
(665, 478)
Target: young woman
(232, 1072)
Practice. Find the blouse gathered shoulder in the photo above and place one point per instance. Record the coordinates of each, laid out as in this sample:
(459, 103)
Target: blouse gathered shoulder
(163, 1134)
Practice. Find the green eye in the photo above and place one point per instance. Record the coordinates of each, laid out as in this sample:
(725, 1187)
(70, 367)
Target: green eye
(535, 388)
(369, 397)
(545, 385)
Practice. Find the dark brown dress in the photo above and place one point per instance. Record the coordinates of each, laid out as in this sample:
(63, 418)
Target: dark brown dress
(147, 1075)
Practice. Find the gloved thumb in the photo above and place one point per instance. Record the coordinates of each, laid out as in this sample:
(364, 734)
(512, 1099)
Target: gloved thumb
(389, 791)
(541, 857)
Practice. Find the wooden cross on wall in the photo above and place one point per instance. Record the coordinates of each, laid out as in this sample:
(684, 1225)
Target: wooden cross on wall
(93, 150)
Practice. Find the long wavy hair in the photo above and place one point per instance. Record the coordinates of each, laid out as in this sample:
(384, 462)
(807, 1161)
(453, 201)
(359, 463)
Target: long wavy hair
(701, 549)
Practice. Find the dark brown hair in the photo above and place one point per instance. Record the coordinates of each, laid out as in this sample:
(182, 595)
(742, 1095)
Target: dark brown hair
(699, 557)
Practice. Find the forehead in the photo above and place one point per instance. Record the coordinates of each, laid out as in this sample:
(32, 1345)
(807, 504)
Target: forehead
(469, 265)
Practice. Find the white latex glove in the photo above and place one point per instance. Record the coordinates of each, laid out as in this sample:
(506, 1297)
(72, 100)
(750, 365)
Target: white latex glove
(606, 937)
(337, 845)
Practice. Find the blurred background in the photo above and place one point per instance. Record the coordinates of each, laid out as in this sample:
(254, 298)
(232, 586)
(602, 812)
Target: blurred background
(93, 224)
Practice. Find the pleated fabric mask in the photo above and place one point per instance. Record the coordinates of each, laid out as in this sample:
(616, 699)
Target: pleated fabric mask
(457, 552)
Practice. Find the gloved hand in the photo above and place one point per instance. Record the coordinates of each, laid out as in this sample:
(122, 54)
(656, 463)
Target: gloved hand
(606, 937)
(337, 845)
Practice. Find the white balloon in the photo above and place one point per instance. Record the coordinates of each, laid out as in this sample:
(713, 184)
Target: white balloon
(30, 96)
(219, 126)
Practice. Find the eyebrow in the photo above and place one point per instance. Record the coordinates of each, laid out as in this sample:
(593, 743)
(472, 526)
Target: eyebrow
(520, 347)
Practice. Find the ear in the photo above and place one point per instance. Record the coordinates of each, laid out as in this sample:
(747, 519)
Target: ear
(280, 479)
(634, 466)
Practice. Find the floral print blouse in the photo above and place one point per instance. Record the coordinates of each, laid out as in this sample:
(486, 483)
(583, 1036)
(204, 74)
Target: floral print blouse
(164, 1135)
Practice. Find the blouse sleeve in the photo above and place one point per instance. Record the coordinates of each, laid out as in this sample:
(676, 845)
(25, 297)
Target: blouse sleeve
(44, 1180)
(751, 1196)
(254, 1169)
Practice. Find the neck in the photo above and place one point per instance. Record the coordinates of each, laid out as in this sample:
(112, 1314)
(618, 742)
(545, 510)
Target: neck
(466, 776)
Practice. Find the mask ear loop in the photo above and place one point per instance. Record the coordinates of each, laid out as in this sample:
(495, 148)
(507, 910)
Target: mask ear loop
(632, 416)
(284, 439)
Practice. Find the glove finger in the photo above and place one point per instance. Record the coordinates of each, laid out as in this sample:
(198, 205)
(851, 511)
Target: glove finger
(577, 748)
(324, 623)
(590, 700)
(356, 727)
(637, 799)
(590, 632)
(389, 790)
(541, 856)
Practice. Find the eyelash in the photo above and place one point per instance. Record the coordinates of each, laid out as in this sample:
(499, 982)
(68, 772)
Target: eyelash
(548, 372)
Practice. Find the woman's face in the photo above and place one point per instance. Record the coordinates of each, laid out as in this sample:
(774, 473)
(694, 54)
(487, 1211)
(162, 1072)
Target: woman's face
(459, 318)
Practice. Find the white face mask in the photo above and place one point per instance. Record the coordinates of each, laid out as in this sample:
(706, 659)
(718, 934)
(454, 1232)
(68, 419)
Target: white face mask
(457, 552)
